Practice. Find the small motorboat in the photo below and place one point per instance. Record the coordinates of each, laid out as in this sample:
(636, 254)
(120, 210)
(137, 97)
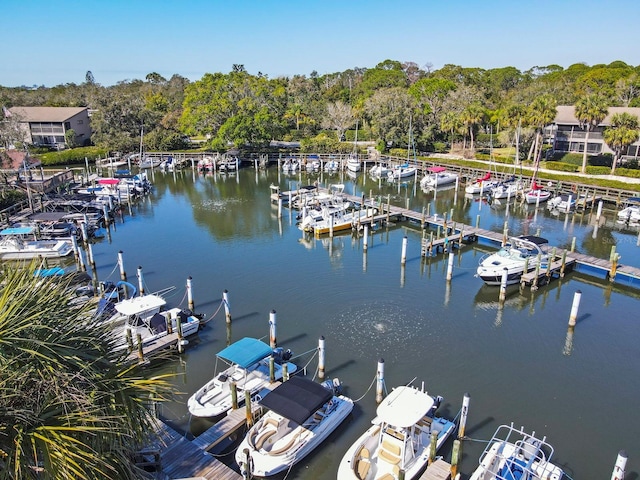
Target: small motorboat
(302, 414)
(248, 369)
(631, 212)
(437, 177)
(402, 171)
(518, 253)
(399, 438)
(564, 202)
(353, 163)
(514, 454)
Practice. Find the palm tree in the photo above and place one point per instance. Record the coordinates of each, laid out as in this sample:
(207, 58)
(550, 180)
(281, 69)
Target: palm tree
(541, 113)
(69, 406)
(590, 111)
(471, 117)
(450, 122)
(622, 132)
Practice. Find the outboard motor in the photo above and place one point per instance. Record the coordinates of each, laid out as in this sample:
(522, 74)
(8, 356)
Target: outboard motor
(280, 355)
(436, 405)
(333, 386)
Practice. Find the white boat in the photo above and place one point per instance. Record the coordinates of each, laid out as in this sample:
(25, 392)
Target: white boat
(149, 162)
(631, 212)
(312, 163)
(508, 189)
(248, 367)
(331, 166)
(402, 171)
(564, 202)
(302, 414)
(519, 251)
(481, 185)
(290, 165)
(332, 220)
(437, 177)
(380, 170)
(537, 194)
(399, 438)
(353, 163)
(20, 243)
(514, 454)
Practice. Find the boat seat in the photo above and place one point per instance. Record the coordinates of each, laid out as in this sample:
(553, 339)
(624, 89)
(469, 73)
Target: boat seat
(286, 446)
(362, 467)
(425, 421)
(389, 453)
(263, 437)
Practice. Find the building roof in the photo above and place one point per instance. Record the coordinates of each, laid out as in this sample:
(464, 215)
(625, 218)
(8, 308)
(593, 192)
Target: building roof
(46, 114)
(566, 114)
(17, 160)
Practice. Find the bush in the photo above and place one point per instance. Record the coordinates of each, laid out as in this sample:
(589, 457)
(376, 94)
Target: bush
(628, 172)
(440, 147)
(75, 156)
(561, 166)
(591, 170)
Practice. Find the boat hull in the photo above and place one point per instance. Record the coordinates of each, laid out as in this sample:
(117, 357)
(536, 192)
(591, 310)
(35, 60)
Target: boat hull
(268, 460)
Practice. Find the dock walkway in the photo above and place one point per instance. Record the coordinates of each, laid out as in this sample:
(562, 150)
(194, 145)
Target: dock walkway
(455, 233)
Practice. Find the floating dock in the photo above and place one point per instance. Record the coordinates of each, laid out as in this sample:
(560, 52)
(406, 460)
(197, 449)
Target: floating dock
(173, 456)
(456, 234)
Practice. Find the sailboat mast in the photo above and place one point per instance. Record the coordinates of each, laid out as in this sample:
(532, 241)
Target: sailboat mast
(141, 136)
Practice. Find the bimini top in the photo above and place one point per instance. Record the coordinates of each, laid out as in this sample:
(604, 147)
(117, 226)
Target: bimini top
(17, 231)
(245, 352)
(297, 399)
(137, 305)
(532, 239)
(404, 406)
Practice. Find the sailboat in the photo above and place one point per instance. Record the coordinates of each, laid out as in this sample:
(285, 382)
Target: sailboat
(483, 184)
(405, 170)
(353, 162)
(537, 193)
(508, 189)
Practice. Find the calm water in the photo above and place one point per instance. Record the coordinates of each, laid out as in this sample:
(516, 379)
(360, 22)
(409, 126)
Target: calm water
(518, 363)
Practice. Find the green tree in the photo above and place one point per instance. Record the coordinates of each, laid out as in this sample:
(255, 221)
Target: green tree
(590, 111)
(540, 113)
(622, 132)
(70, 138)
(471, 117)
(69, 406)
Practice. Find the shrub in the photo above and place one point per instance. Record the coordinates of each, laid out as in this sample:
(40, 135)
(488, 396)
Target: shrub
(591, 170)
(561, 166)
(440, 147)
(628, 172)
(75, 156)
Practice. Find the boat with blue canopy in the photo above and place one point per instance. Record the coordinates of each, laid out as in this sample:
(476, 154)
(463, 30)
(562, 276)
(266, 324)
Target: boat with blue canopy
(248, 369)
(20, 243)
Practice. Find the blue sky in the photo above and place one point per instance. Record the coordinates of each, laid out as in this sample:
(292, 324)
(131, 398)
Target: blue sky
(58, 42)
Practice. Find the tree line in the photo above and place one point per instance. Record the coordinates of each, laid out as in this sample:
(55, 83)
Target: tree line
(394, 104)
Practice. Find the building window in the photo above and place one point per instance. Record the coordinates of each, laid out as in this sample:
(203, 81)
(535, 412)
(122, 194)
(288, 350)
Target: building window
(80, 122)
(67, 125)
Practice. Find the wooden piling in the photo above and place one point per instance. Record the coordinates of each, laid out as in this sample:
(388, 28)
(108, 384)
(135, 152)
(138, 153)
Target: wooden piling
(140, 282)
(233, 387)
(464, 413)
(380, 381)
(574, 308)
(247, 407)
(227, 307)
(621, 463)
(190, 294)
(455, 457)
(403, 258)
(450, 267)
(321, 357)
(272, 329)
(123, 274)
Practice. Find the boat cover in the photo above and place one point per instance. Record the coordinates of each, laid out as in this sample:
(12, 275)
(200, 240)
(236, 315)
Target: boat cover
(108, 181)
(404, 406)
(297, 399)
(17, 231)
(533, 239)
(436, 169)
(136, 305)
(245, 352)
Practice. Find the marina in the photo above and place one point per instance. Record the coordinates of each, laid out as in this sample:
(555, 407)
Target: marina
(518, 359)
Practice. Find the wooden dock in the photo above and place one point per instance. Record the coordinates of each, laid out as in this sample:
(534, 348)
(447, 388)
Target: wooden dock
(438, 470)
(174, 456)
(457, 233)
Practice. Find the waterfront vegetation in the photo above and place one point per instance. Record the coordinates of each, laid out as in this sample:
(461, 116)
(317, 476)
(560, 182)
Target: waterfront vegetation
(453, 109)
(69, 406)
